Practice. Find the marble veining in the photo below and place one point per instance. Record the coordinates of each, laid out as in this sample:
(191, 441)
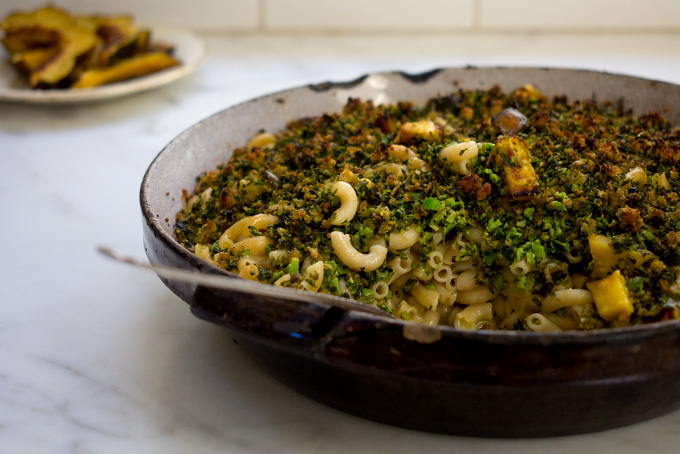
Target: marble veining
(99, 358)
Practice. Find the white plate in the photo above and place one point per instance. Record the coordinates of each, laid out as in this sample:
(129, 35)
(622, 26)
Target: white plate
(189, 50)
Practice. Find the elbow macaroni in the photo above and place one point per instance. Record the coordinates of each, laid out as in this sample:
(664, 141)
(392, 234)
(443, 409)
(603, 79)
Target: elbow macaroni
(446, 288)
(474, 317)
(342, 246)
(313, 277)
(241, 229)
(348, 203)
(459, 155)
(404, 239)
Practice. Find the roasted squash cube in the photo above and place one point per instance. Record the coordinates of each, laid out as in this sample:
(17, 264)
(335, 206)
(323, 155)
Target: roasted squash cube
(604, 256)
(520, 176)
(611, 297)
(424, 130)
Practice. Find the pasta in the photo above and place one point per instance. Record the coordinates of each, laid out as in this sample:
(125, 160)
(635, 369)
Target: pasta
(404, 239)
(313, 277)
(343, 249)
(459, 155)
(566, 298)
(474, 317)
(399, 266)
(348, 203)
(427, 297)
(480, 210)
(521, 268)
(539, 322)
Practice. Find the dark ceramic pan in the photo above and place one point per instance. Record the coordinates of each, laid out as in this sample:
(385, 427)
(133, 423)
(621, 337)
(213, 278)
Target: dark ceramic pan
(496, 384)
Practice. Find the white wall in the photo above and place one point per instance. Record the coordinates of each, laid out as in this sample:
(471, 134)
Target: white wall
(238, 15)
(457, 16)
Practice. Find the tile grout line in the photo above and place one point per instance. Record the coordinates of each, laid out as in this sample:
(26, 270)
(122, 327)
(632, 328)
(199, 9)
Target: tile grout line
(476, 14)
(261, 16)
(427, 31)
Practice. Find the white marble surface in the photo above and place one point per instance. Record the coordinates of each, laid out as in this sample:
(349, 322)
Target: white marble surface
(96, 357)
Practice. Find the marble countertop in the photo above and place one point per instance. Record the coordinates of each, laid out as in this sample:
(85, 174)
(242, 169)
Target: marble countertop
(96, 357)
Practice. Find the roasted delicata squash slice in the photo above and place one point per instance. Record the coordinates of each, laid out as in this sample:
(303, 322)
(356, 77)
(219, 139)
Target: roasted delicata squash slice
(48, 18)
(72, 42)
(143, 43)
(118, 37)
(29, 38)
(31, 60)
(57, 50)
(139, 65)
(520, 176)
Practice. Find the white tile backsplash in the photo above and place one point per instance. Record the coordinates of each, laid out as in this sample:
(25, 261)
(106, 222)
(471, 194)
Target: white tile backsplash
(371, 15)
(576, 15)
(455, 16)
(199, 14)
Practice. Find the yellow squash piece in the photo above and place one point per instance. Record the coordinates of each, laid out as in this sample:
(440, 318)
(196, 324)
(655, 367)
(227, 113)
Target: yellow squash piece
(72, 42)
(29, 61)
(611, 297)
(520, 176)
(118, 35)
(125, 69)
(604, 256)
(143, 43)
(26, 39)
(420, 130)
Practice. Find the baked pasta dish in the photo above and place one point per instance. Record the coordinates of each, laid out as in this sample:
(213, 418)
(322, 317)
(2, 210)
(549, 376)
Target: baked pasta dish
(479, 210)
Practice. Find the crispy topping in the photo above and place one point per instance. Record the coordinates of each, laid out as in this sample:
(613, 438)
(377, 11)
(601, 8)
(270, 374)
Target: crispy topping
(571, 222)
